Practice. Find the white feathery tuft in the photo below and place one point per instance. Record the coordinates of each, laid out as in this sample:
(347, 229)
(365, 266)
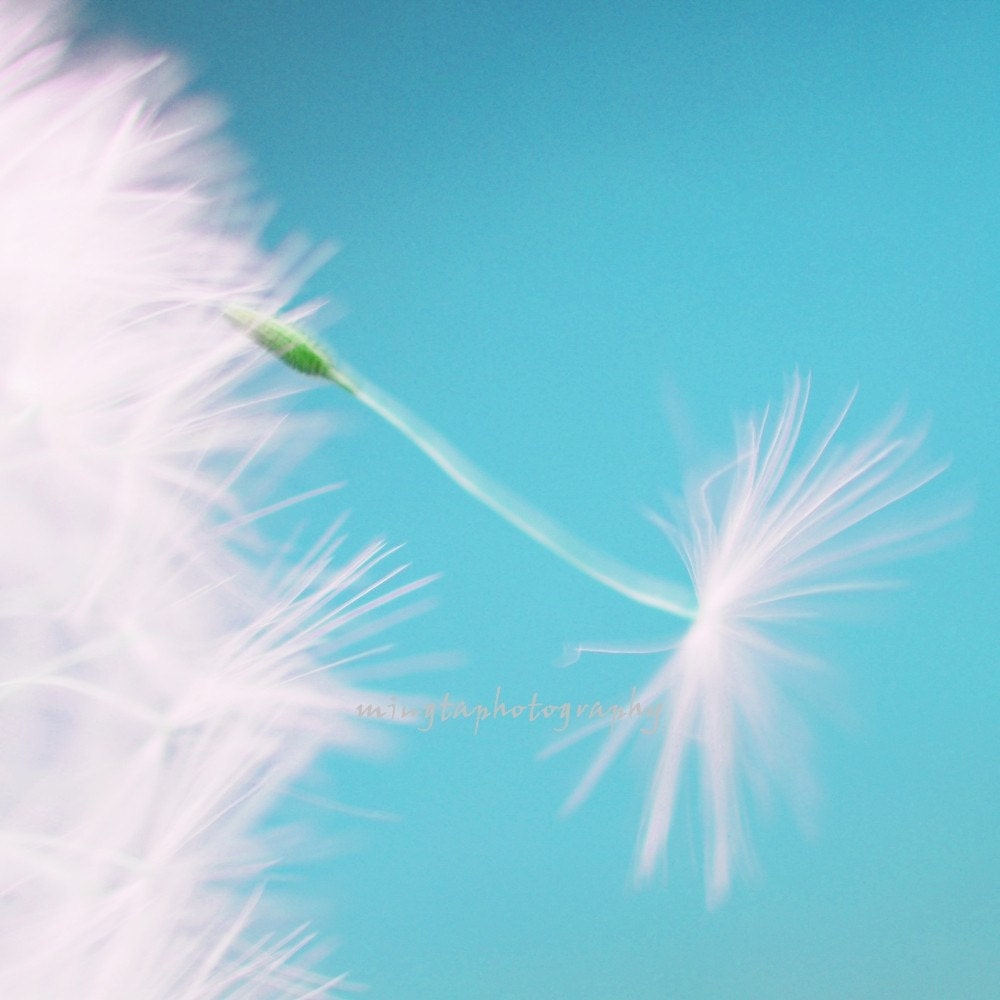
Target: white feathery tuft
(763, 535)
(157, 694)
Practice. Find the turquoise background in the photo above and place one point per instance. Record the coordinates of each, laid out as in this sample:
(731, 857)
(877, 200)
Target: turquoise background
(579, 240)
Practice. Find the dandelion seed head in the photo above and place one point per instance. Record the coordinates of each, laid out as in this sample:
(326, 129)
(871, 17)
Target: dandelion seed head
(158, 692)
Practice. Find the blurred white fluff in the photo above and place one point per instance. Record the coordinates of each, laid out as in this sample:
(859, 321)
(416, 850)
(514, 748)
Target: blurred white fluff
(778, 526)
(155, 695)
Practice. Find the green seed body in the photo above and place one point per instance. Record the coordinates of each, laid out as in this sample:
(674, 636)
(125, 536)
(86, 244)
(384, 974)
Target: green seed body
(289, 344)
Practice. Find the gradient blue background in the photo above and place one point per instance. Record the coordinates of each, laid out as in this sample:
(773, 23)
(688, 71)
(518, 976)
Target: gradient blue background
(579, 239)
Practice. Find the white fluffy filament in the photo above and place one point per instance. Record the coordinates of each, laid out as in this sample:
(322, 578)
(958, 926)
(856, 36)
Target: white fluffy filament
(761, 536)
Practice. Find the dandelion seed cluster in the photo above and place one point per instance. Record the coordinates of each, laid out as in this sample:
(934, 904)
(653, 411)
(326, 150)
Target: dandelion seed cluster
(157, 692)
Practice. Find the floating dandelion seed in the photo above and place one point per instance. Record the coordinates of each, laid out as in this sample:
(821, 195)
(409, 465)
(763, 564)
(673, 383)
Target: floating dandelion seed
(759, 537)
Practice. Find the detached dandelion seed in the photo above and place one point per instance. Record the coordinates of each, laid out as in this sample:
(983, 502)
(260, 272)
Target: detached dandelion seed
(759, 537)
